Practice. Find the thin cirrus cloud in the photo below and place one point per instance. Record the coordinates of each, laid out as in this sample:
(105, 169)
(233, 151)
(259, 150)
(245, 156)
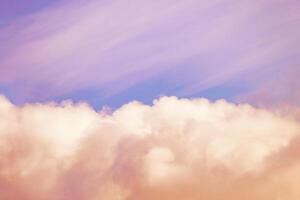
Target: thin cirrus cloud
(174, 149)
(113, 46)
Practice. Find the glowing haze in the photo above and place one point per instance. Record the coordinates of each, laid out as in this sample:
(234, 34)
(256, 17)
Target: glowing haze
(149, 100)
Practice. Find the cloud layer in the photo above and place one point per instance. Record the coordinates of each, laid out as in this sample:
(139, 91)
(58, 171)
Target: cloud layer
(175, 149)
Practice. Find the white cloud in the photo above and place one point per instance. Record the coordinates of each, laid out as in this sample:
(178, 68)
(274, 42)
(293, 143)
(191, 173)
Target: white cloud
(176, 148)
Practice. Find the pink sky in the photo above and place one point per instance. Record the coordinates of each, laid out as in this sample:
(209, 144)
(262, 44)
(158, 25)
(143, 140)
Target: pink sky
(113, 46)
(149, 100)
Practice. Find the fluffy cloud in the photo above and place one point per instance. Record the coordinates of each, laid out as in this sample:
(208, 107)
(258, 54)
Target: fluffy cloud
(175, 149)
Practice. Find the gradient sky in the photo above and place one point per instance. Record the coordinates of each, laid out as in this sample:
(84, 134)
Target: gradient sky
(112, 52)
(149, 99)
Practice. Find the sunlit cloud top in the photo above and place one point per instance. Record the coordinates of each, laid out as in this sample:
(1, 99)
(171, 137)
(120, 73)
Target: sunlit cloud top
(174, 149)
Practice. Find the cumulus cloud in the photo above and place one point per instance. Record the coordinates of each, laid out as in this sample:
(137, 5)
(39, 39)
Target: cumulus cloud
(181, 149)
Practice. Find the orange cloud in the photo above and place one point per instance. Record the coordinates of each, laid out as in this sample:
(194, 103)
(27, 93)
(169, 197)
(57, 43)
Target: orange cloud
(175, 149)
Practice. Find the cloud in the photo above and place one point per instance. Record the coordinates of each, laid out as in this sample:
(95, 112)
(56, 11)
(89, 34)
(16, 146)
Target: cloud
(173, 149)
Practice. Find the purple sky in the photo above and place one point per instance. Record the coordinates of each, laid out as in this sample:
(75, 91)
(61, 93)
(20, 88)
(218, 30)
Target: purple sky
(149, 99)
(111, 52)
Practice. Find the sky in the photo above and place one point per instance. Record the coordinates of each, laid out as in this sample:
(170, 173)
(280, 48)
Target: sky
(112, 52)
(141, 99)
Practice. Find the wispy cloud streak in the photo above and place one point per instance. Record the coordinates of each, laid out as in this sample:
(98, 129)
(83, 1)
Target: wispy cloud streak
(85, 44)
